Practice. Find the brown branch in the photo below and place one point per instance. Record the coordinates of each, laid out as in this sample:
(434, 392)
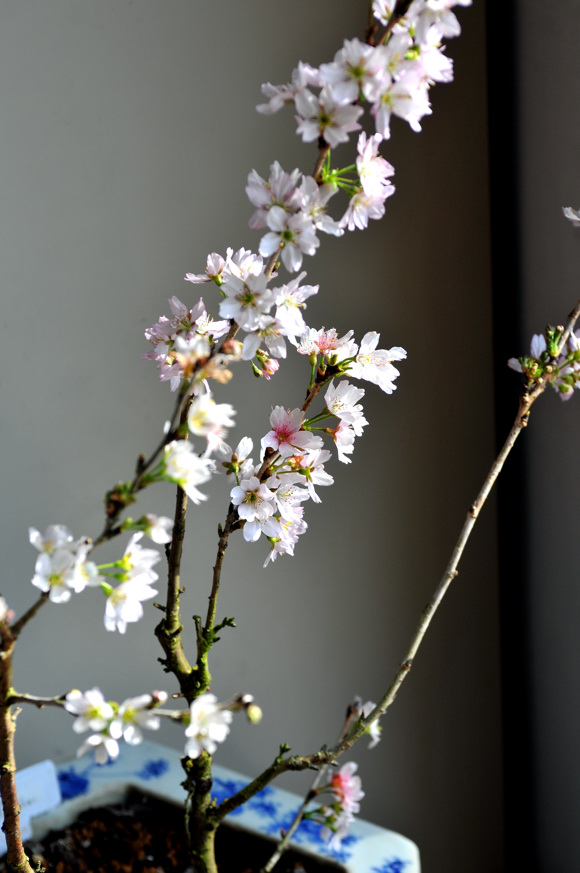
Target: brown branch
(17, 627)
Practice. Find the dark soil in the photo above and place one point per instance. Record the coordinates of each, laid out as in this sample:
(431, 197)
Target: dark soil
(144, 835)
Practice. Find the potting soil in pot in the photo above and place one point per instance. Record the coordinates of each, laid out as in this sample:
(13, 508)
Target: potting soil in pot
(144, 835)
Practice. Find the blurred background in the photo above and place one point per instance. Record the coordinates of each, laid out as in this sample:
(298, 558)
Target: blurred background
(129, 129)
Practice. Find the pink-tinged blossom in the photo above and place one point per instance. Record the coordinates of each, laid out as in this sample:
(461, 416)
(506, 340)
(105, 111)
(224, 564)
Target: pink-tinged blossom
(406, 97)
(243, 263)
(290, 300)
(246, 301)
(342, 398)
(375, 365)
(213, 271)
(361, 208)
(287, 495)
(270, 332)
(295, 233)
(437, 14)
(324, 117)
(253, 500)
(344, 437)
(278, 96)
(327, 343)
(286, 436)
(347, 787)
(209, 725)
(290, 530)
(372, 168)
(315, 198)
(182, 466)
(270, 366)
(280, 190)
(353, 71)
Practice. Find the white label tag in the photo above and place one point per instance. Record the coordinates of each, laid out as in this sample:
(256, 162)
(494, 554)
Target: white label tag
(38, 791)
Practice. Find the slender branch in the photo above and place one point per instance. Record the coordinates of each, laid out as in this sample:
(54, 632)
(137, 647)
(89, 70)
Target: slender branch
(526, 401)
(326, 755)
(40, 702)
(17, 627)
(169, 629)
(323, 150)
(224, 534)
(282, 846)
(400, 10)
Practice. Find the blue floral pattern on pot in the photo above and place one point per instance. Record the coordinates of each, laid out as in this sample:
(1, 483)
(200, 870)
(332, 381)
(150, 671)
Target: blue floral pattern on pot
(156, 770)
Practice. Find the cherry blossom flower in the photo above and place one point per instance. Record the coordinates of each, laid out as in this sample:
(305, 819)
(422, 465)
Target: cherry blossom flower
(341, 400)
(325, 117)
(55, 536)
(158, 528)
(92, 710)
(103, 745)
(237, 462)
(183, 466)
(253, 499)
(327, 343)
(62, 571)
(281, 189)
(290, 300)
(361, 208)
(572, 215)
(209, 725)
(213, 271)
(354, 70)
(138, 562)
(270, 332)
(124, 603)
(286, 435)
(375, 365)
(373, 169)
(294, 232)
(246, 300)
(134, 714)
(210, 419)
(303, 76)
(315, 198)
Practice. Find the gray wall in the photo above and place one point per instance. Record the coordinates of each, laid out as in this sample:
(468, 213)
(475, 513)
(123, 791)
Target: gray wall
(128, 131)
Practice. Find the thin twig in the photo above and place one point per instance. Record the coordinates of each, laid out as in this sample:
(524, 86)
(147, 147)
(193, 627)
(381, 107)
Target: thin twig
(326, 755)
(285, 841)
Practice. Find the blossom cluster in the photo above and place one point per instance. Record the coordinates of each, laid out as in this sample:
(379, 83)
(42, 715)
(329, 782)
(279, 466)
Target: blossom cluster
(62, 568)
(111, 722)
(394, 78)
(207, 721)
(543, 364)
(336, 817)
